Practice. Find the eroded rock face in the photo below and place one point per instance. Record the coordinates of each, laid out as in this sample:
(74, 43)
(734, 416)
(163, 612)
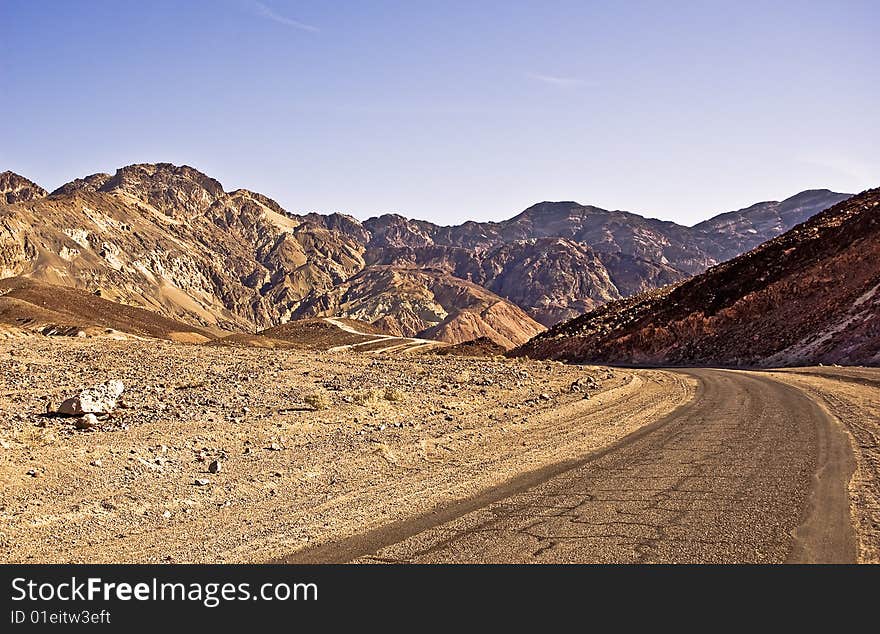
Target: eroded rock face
(171, 240)
(16, 189)
(556, 260)
(809, 296)
(427, 303)
(554, 279)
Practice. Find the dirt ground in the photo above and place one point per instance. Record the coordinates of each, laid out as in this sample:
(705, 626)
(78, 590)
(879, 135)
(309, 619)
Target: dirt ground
(312, 446)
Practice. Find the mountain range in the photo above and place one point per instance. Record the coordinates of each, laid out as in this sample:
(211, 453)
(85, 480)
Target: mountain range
(810, 296)
(170, 239)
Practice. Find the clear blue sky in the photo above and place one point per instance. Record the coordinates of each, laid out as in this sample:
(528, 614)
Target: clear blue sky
(451, 110)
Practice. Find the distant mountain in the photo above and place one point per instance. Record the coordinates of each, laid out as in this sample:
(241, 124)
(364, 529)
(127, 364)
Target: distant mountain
(15, 188)
(609, 254)
(809, 296)
(171, 239)
(427, 303)
(736, 232)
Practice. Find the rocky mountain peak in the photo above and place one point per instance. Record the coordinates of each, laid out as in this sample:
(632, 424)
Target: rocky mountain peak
(169, 188)
(393, 230)
(171, 239)
(91, 183)
(15, 188)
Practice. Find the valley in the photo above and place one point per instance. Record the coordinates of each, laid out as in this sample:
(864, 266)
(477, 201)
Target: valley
(549, 388)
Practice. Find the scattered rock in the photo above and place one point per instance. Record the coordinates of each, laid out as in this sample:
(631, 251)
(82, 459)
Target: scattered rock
(584, 383)
(201, 482)
(89, 421)
(215, 466)
(96, 463)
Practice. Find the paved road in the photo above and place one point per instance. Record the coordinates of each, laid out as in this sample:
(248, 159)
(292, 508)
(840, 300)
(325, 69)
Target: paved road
(751, 470)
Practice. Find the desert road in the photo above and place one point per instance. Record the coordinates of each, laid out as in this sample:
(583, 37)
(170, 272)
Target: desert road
(751, 470)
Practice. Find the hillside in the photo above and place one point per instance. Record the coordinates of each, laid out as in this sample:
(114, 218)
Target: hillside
(170, 239)
(810, 296)
(30, 307)
(424, 303)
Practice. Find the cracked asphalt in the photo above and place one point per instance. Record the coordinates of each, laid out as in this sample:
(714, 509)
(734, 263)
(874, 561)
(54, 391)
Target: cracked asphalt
(750, 471)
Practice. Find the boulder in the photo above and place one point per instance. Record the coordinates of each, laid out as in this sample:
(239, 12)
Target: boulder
(98, 399)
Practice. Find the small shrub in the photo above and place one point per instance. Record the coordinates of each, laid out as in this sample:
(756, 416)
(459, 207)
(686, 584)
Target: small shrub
(317, 400)
(366, 396)
(393, 394)
(35, 437)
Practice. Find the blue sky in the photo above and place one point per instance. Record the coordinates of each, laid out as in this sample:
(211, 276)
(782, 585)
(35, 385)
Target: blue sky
(451, 110)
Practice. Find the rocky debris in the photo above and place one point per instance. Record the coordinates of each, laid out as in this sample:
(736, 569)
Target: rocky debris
(98, 399)
(151, 456)
(584, 383)
(89, 421)
(201, 482)
(215, 467)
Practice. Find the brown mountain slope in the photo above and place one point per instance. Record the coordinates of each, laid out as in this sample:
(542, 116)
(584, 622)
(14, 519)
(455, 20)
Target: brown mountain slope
(426, 303)
(32, 307)
(632, 253)
(312, 334)
(809, 296)
(171, 240)
(555, 278)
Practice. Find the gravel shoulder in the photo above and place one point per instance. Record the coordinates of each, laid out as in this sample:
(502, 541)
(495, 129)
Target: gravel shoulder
(852, 398)
(393, 437)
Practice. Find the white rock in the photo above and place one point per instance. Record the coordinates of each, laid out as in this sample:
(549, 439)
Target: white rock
(99, 399)
(88, 421)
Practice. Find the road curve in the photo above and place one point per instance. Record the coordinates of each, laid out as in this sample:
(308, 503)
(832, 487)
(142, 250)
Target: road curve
(395, 343)
(750, 470)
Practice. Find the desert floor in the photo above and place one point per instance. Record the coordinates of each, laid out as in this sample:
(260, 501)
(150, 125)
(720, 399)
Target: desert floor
(313, 447)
